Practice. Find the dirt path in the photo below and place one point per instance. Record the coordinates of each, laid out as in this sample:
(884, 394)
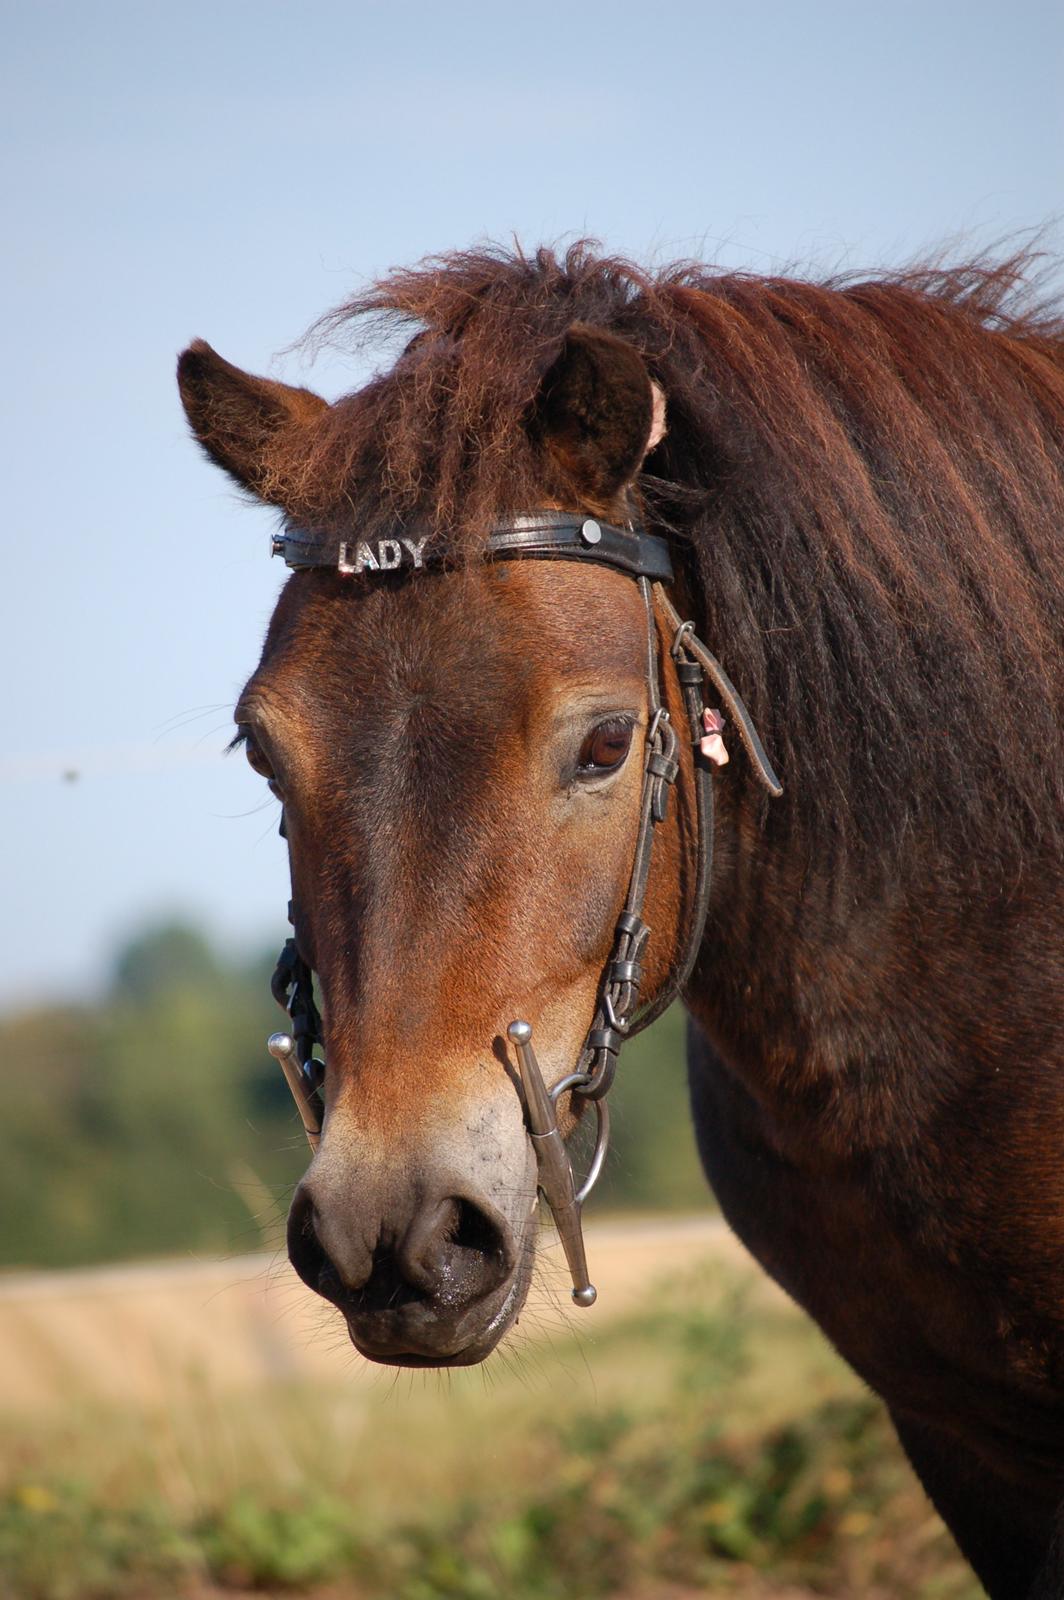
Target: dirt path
(144, 1331)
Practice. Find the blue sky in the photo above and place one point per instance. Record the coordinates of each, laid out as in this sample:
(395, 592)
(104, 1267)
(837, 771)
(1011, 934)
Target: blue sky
(233, 169)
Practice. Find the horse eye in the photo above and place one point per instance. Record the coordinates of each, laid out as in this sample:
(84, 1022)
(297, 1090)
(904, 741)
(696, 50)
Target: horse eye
(256, 759)
(606, 746)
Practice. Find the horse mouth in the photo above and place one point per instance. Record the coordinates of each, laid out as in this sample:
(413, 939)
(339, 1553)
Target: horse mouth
(422, 1336)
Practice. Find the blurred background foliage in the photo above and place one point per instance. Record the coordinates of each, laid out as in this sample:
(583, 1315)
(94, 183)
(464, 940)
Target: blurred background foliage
(153, 1121)
(706, 1442)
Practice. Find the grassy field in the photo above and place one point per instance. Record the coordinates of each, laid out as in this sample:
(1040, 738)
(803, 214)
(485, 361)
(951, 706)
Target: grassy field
(704, 1439)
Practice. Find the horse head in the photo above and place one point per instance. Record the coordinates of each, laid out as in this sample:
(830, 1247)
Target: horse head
(460, 751)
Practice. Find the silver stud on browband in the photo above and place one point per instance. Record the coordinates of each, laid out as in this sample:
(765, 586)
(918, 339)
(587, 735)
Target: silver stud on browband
(590, 531)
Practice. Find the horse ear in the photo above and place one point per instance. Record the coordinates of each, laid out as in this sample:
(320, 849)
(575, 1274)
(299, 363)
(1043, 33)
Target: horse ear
(240, 420)
(598, 413)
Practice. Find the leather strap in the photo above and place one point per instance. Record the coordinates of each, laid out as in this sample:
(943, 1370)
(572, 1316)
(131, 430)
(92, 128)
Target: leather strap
(763, 768)
(619, 995)
(560, 536)
(690, 677)
(292, 986)
(542, 535)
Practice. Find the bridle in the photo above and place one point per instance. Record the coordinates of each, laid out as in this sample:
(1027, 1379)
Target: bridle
(557, 536)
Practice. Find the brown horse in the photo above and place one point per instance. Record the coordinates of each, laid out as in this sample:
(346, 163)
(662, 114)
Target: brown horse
(862, 485)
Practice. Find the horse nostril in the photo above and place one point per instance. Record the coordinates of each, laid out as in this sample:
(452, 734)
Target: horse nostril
(452, 1253)
(306, 1251)
(474, 1230)
(457, 1252)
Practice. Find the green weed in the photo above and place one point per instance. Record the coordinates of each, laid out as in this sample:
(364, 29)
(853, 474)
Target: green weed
(664, 1460)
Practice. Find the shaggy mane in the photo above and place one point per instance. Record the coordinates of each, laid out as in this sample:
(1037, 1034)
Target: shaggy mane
(864, 482)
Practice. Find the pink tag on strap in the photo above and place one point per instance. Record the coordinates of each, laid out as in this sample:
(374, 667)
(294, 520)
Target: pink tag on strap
(711, 744)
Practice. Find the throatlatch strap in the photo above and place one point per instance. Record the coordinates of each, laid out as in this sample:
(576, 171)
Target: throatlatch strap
(685, 634)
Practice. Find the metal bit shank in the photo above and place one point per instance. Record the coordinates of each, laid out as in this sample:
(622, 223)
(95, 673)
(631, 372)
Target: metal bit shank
(555, 1170)
(283, 1049)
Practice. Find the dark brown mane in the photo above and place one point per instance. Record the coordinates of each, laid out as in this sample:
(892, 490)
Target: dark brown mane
(866, 477)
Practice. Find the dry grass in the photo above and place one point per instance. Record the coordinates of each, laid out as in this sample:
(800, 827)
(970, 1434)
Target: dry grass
(703, 1438)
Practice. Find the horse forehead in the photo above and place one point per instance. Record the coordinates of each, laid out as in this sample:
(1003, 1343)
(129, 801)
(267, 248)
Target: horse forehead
(477, 643)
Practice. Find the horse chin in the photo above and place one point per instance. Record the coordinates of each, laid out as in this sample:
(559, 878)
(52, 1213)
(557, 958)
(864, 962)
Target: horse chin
(420, 1337)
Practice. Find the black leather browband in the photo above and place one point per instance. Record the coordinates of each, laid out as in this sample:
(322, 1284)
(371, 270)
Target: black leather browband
(554, 535)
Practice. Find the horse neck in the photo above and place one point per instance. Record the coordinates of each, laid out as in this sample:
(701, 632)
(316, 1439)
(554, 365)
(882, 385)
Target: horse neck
(790, 983)
(854, 1003)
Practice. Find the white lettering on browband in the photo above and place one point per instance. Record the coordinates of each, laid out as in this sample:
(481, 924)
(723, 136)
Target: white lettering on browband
(384, 556)
(416, 547)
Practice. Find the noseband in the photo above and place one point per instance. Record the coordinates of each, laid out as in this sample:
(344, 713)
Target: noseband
(558, 536)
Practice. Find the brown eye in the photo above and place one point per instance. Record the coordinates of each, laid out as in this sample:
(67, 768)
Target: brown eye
(253, 751)
(606, 747)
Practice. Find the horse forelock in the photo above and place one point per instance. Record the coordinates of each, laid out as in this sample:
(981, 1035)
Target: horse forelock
(864, 482)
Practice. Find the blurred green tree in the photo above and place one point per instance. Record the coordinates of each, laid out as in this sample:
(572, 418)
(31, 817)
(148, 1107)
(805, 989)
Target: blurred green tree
(165, 956)
(153, 1121)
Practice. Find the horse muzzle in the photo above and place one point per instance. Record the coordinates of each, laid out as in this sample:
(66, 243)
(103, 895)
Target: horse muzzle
(425, 1273)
